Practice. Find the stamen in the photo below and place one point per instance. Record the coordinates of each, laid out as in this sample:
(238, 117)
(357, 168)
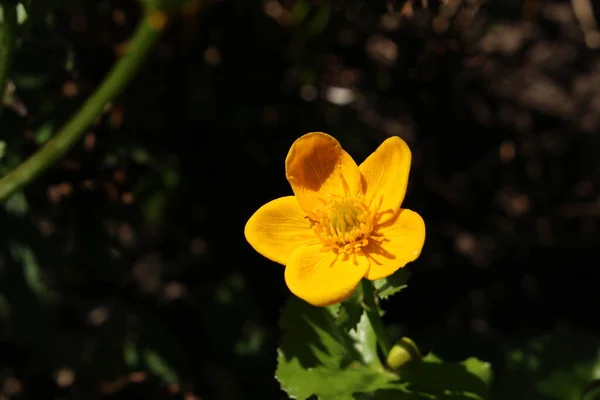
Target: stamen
(344, 224)
(345, 185)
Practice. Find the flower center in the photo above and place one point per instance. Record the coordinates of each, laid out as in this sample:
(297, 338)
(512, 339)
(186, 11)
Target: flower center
(344, 224)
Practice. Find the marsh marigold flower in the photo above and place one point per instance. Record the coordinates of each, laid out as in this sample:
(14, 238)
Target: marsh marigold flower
(344, 222)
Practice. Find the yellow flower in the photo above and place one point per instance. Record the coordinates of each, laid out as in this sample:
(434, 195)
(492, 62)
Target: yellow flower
(344, 221)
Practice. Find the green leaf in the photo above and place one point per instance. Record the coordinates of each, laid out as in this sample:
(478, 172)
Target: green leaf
(392, 284)
(350, 311)
(481, 369)
(365, 341)
(316, 358)
(310, 338)
(329, 384)
(434, 377)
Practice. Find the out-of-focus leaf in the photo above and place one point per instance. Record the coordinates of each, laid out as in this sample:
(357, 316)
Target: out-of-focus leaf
(251, 343)
(17, 204)
(593, 391)
(29, 81)
(319, 22)
(169, 5)
(160, 367)
(299, 11)
(141, 155)
(559, 366)
(111, 160)
(171, 177)
(131, 355)
(31, 269)
(4, 307)
(154, 208)
(21, 14)
(44, 133)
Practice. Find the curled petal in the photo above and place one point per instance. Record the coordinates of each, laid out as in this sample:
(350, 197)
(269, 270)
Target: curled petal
(385, 174)
(278, 228)
(403, 239)
(323, 278)
(317, 166)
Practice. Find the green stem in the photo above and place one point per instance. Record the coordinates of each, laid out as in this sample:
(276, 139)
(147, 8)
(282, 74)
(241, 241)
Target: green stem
(145, 37)
(372, 309)
(8, 37)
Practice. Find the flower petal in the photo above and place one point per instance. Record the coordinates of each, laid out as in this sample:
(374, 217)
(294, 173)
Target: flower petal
(278, 228)
(317, 166)
(323, 278)
(385, 174)
(404, 236)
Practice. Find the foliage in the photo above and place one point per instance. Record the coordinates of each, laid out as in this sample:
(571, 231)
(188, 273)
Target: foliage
(314, 359)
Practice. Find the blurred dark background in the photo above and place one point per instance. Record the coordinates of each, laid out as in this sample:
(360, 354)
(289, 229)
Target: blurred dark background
(124, 272)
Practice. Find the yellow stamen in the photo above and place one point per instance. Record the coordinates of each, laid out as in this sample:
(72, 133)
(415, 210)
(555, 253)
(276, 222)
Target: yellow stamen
(344, 224)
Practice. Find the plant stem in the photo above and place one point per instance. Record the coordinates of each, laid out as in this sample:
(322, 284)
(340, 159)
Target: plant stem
(145, 37)
(372, 309)
(8, 37)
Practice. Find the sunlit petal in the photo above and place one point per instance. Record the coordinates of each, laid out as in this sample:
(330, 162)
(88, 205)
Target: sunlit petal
(404, 236)
(323, 278)
(385, 175)
(278, 228)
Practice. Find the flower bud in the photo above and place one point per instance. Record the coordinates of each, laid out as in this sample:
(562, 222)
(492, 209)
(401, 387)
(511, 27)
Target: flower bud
(404, 351)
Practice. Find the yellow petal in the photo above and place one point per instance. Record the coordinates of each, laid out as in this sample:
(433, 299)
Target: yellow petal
(385, 175)
(323, 278)
(278, 228)
(317, 166)
(404, 236)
